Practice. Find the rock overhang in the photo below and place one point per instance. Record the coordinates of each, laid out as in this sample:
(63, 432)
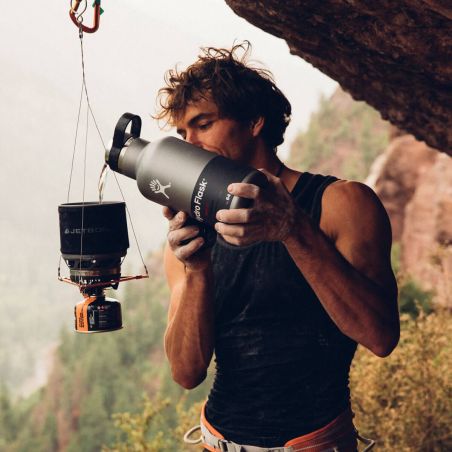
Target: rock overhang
(396, 56)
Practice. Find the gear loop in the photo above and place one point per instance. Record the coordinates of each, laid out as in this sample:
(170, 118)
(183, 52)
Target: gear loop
(190, 432)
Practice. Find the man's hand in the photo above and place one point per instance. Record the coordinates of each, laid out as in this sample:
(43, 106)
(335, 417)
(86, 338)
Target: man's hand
(178, 234)
(272, 217)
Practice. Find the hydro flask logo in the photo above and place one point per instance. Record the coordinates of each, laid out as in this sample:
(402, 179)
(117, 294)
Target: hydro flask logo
(157, 187)
(197, 201)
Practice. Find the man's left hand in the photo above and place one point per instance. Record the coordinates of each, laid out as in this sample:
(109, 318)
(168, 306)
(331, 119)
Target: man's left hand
(271, 218)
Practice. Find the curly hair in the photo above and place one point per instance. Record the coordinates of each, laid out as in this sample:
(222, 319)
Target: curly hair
(240, 92)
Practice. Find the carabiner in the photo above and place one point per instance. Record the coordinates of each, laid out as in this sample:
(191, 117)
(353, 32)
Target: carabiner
(97, 12)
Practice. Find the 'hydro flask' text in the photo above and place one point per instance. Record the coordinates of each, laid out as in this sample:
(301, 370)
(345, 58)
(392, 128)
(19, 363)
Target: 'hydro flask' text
(198, 199)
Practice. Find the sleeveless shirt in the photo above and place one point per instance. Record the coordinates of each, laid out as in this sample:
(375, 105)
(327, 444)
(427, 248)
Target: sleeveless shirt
(282, 365)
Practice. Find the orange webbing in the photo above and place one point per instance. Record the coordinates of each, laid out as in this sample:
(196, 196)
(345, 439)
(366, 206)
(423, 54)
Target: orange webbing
(81, 314)
(211, 430)
(340, 432)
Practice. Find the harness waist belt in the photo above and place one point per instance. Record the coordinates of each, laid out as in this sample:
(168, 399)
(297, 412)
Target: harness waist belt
(338, 435)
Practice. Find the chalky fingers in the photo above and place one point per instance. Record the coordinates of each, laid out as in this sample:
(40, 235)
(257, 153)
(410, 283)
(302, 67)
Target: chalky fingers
(238, 234)
(233, 216)
(244, 190)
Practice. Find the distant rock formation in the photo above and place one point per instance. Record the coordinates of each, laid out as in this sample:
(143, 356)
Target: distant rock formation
(344, 138)
(395, 176)
(415, 185)
(394, 55)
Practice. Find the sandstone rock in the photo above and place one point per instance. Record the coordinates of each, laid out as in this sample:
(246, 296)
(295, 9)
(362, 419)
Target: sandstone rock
(427, 235)
(395, 176)
(415, 185)
(394, 55)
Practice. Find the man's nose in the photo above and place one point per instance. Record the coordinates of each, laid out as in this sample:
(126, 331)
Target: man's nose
(192, 138)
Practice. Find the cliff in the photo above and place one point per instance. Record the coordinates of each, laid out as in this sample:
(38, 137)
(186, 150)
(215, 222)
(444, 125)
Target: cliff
(396, 56)
(415, 185)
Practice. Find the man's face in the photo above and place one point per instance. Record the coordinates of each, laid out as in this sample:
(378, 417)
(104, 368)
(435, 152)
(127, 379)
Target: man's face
(202, 126)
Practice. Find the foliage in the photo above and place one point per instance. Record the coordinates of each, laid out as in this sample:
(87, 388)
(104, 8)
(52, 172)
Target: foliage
(7, 417)
(136, 428)
(19, 312)
(405, 401)
(148, 430)
(98, 375)
(395, 257)
(412, 297)
(343, 138)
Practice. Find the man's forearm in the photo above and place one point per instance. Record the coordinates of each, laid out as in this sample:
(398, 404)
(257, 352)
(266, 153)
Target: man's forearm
(360, 308)
(189, 339)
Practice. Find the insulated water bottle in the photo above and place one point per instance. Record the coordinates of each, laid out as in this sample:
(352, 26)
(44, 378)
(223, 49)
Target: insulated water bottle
(177, 174)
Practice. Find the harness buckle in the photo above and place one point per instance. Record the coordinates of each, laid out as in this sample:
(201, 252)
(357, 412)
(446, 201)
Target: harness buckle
(223, 445)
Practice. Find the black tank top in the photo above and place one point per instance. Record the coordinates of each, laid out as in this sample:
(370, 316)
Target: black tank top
(282, 365)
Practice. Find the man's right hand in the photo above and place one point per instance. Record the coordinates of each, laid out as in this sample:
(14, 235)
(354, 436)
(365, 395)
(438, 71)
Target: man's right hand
(178, 235)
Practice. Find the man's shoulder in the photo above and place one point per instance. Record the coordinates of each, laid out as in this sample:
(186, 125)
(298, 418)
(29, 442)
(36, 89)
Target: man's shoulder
(349, 191)
(348, 203)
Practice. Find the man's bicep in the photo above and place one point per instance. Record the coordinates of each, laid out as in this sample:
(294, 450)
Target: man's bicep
(175, 275)
(174, 268)
(362, 231)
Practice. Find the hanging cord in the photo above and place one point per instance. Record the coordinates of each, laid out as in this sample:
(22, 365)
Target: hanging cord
(75, 144)
(86, 89)
(103, 174)
(101, 186)
(72, 164)
(131, 224)
(105, 167)
(82, 232)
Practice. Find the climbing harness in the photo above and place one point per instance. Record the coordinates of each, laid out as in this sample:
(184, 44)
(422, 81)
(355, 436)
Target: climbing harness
(317, 441)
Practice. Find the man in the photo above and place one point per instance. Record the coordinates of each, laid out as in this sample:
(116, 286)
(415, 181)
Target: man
(292, 284)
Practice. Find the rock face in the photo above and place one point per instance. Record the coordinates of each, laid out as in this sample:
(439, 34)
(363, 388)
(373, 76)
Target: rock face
(401, 167)
(415, 185)
(396, 56)
(427, 235)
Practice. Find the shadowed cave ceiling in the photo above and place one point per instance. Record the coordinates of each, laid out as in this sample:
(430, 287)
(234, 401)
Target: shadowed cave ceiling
(396, 56)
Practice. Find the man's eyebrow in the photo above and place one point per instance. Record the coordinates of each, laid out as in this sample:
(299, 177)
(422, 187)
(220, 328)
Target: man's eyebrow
(195, 119)
(199, 117)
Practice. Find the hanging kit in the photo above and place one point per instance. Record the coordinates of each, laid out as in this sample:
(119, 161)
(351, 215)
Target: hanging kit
(93, 235)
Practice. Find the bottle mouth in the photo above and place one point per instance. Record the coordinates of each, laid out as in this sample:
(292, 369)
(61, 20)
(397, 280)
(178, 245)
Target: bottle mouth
(113, 153)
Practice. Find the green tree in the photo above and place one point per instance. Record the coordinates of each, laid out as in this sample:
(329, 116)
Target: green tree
(405, 401)
(343, 138)
(7, 418)
(93, 424)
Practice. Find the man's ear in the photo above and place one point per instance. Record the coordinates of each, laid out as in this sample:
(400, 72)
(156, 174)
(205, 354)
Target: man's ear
(257, 125)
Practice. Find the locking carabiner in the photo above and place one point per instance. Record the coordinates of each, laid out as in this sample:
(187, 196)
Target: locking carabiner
(78, 20)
